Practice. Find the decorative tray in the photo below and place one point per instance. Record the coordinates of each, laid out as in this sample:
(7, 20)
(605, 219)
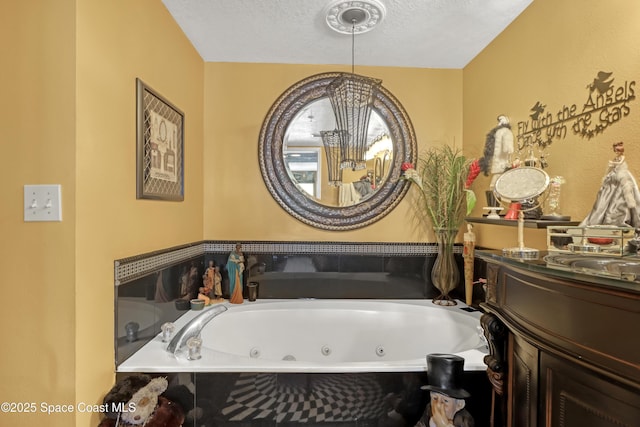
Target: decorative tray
(598, 240)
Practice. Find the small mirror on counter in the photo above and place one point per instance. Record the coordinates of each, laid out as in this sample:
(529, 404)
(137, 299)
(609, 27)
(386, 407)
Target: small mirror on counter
(519, 187)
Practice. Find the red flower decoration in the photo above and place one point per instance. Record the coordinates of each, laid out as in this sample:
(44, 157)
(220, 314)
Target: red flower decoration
(406, 165)
(474, 171)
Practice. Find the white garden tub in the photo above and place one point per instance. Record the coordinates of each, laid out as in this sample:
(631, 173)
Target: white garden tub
(326, 335)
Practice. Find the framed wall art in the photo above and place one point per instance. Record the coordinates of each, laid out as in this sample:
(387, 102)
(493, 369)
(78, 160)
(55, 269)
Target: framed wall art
(160, 146)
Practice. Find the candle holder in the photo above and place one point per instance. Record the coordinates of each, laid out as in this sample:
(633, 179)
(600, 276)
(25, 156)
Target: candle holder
(553, 201)
(493, 212)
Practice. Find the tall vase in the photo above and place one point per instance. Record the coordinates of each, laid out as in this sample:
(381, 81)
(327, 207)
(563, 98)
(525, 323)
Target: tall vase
(444, 274)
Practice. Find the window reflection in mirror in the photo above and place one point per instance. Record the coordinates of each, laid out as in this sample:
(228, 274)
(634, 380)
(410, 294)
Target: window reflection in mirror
(306, 161)
(304, 168)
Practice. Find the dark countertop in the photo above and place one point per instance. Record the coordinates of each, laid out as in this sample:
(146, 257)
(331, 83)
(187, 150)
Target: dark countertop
(542, 267)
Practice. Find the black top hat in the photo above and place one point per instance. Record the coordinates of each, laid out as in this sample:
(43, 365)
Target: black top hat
(444, 372)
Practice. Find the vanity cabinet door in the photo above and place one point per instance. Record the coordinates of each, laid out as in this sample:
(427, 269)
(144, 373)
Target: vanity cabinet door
(523, 374)
(578, 397)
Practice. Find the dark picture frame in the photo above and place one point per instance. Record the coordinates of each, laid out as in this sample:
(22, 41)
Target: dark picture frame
(160, 146)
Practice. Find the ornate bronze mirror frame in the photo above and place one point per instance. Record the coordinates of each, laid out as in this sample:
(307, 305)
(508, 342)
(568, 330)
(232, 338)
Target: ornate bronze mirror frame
(297, 203)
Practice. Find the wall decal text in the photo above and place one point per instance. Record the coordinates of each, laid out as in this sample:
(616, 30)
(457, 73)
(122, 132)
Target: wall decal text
(606, 104)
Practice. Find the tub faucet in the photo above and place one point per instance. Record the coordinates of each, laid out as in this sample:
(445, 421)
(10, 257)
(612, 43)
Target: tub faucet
(193, 328)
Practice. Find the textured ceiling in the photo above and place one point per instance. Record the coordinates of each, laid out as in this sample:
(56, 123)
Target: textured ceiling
(414, 33)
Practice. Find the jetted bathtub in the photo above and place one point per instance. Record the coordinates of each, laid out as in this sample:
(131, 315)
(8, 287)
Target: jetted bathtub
(326, 336)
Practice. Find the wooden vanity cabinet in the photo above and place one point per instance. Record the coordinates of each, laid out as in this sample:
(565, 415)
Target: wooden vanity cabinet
(576, 396)
(564, 347)
(523, 384)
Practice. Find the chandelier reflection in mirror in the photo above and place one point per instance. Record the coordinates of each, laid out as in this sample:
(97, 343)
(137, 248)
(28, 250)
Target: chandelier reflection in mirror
(332, 139)
(351, 95)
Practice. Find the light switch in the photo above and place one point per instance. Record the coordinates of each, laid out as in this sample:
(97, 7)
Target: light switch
(42, 203)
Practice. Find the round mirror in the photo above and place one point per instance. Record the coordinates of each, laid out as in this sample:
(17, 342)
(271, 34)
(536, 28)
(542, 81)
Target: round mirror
(297, 169)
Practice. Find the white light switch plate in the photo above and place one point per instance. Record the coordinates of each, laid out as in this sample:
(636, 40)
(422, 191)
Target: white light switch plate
(42, 203)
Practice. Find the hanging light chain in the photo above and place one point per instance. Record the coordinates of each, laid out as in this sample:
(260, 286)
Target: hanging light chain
(353, 45)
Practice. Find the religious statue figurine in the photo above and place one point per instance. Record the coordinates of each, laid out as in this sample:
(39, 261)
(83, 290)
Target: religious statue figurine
(235, 268)
(447, 404)
(618, 198)
(206, 291)
(217, 283)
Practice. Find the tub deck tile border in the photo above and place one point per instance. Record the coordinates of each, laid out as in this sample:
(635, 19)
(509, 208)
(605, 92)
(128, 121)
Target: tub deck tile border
(134, 267)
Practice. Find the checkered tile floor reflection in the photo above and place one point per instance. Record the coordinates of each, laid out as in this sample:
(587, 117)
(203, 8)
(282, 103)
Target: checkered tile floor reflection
(304, 398)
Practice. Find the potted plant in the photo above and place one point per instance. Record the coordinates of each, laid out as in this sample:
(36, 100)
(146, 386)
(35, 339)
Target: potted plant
(443, 176)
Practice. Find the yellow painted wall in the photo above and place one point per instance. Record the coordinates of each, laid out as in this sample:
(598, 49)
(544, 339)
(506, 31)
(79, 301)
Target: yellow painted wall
(117, 42)
(37, 122)
(238, 205)
(550, 54)
(68, 117)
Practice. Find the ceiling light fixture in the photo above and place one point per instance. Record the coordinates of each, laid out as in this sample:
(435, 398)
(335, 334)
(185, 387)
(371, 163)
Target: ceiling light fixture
(367, 13)
(352, 95)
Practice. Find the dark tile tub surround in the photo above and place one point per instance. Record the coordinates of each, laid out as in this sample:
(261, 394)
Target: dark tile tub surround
(147, 288)
(333, 269)
(328, 400)
(144, 304)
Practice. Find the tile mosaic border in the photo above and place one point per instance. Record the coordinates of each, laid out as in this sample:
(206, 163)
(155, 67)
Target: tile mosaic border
(332, 248)
(131, 268)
